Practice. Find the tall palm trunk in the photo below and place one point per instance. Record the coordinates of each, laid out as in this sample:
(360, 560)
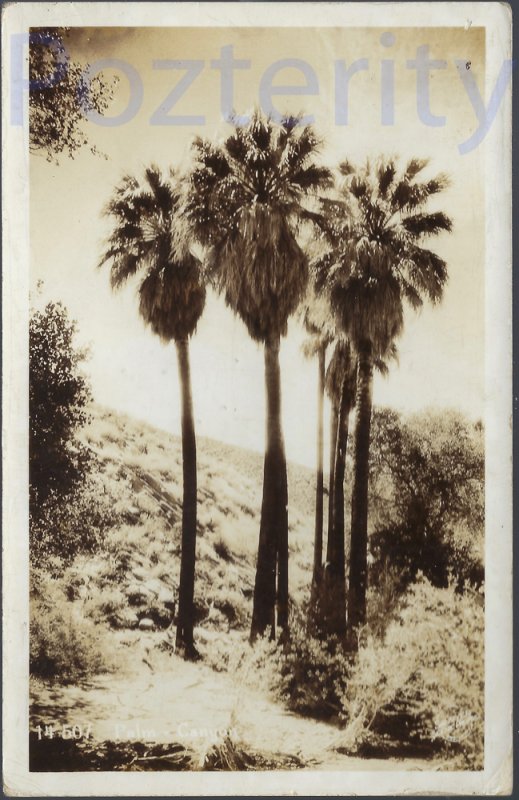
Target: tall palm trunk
(334, 604)
(185, 622)
(337, 540)
(315, 609)
(273, 538)
(334, 424)
(319, 489)
(359, 507)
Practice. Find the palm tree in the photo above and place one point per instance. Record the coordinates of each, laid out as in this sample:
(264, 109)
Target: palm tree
(247, 206)
(149, 238)
(381, 263)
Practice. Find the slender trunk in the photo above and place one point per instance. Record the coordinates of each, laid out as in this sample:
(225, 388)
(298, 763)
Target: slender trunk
(273, 537)
(318, 539)
(334, 601)
(337, 540)
(314, 624)
(282, 588)
(359, 507)
(334, 424)
(185, 621)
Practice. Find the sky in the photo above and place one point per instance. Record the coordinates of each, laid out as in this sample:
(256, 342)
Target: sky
(441, 361)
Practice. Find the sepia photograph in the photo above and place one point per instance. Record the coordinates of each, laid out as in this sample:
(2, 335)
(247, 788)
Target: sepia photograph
(258, 427)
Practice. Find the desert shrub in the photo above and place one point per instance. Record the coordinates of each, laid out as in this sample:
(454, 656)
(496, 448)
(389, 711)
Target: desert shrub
(308, 675)
(256, 664)
(235, 536)
(428, 670)
(222, 549)
(313, 673)
(108, 605)
(63, 644)
(217, 652)
(67, 525)
(232, 604)
(427, 498)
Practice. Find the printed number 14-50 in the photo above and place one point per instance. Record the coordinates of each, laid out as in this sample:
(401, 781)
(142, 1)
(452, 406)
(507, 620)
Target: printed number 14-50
(64, 731)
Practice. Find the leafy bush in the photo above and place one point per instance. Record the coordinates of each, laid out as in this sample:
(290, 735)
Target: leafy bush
(428, 671)
(107, 606)
(66, 525)
(63, 644)
(69, 509)
(308, 675)
(313, 673)
(57, 109)
(58, 396)
(417, 687)
(218, 652)
(427, 497)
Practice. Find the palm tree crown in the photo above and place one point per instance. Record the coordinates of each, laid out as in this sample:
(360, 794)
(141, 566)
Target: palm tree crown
(381, 260)
(149, 236)
(247, 206)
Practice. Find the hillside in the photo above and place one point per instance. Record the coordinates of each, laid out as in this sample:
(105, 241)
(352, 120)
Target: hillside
(142, 468)
(117, 606)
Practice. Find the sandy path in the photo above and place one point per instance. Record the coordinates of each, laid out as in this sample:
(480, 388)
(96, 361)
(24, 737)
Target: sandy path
(191, 704)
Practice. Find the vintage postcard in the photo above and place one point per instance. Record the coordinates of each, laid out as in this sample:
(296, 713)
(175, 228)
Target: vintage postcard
(257, 398)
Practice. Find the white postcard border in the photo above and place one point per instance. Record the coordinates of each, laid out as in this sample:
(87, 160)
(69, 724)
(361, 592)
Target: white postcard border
(496, 776)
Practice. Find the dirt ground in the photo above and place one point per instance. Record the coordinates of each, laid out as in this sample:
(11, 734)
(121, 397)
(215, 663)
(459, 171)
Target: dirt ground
(160, 699)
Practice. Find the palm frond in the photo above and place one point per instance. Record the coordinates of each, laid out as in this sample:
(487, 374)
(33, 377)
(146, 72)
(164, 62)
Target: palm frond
(427, 272)
(438, 184)
(386, 174)
(408, 195)
(381, 362)
(427, 224)
(358, 187)
(414, 166)
(346, 168)
(313, 177)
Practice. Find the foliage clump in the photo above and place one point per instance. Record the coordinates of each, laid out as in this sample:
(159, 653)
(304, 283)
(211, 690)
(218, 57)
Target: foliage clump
(61, 95)
(68, 507)
(307, 674)
(423, 683)
(64, 645)
(427, 496)
(417, 688)
(58, 399)
(313, 673)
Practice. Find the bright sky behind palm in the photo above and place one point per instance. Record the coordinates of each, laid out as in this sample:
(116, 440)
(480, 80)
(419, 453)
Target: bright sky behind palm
(441, 351)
